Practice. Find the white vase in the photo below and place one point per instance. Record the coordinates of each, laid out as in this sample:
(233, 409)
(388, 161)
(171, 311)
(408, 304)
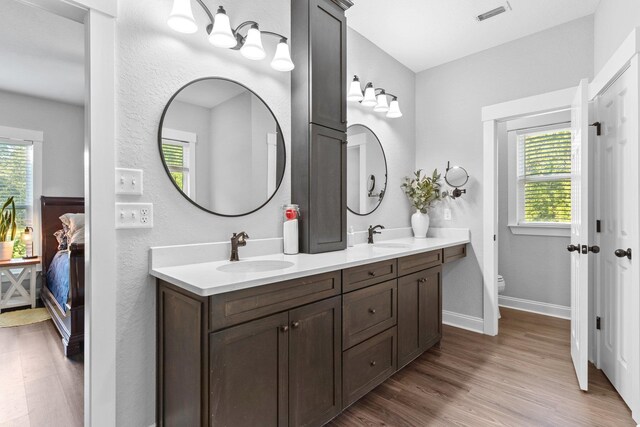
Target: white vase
(420, 224)
(6, 251)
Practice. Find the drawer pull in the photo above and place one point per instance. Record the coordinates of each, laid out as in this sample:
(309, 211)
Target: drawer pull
(284, 328)
(372, 363)
(372, 273)
(422, 280)
(295, 324)
(372, 310)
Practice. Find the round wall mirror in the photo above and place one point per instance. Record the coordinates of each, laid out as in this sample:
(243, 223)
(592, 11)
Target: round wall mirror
(456, 176)
(366, 170)
(222, 147)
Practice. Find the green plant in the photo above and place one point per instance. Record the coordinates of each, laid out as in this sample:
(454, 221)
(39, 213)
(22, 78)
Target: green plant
(422, 190)
(8, 226)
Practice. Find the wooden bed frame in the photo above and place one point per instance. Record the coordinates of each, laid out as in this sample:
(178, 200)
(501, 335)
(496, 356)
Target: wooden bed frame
(70, 324)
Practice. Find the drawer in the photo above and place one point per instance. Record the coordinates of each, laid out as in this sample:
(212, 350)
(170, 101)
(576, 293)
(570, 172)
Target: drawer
(237, 307)
(369, 274)
(454, 253)
(367, 312)
(367, 365)
(414, 263)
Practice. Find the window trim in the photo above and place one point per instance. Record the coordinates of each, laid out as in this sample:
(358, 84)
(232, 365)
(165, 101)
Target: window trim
(190, 141)
(530, 228)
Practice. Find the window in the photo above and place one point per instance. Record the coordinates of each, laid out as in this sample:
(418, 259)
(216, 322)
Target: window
(178, 149)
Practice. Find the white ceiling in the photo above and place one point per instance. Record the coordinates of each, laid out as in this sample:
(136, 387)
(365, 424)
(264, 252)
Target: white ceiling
(210, 93)
(41, 54)
(425, 33)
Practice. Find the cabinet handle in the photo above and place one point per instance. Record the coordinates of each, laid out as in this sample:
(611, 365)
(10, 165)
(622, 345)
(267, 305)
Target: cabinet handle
(372, 363)
(295, 324)
(372, 273)
(372, 310)
(284, 328)
(422, 280)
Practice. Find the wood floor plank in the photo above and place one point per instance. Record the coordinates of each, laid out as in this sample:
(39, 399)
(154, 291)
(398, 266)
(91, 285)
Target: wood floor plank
(523, 377)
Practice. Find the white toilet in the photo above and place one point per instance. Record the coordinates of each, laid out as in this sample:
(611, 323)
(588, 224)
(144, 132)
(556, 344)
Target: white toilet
(501, 286)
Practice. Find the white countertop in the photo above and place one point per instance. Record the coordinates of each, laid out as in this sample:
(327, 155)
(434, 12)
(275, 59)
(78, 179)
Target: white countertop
(204, 279)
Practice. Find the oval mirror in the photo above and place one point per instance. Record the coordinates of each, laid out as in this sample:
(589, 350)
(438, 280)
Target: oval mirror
(456, 176)
(366, 170)
(222, 147)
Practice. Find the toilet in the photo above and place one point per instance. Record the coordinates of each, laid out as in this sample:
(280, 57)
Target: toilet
(501, 286)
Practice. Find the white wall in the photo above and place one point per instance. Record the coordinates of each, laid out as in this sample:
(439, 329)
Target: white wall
(613, 21)
(449, 99)
(63, 146)
(397, 136)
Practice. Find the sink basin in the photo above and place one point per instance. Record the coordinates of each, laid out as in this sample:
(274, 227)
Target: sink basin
(391, 245)
(257, 266)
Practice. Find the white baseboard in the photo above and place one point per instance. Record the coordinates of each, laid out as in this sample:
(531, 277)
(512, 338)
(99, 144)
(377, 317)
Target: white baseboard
(463, 321)
(544, 308)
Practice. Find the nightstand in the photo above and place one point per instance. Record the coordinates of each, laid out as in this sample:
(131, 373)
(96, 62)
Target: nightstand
(17, 272)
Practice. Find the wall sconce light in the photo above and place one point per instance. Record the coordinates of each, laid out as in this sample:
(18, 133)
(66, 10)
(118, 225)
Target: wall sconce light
(27, 239)
(222, 35)
(374, 97)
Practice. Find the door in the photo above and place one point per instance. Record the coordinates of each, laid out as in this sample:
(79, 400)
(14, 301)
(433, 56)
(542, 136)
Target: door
(618, 149)
(580, 238)
(315, 363)
(248, 374)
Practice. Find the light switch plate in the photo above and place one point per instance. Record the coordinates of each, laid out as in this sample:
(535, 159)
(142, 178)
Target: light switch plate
(129, 181)
(447, 214)
(134, 215)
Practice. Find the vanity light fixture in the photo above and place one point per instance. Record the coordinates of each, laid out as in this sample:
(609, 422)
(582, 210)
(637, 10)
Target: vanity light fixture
(222, 35)
(374, 97)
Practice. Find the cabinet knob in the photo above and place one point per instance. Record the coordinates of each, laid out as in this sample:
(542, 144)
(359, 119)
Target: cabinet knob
(372, 363)
(295, 324)
(372, 310)
(372, 273)
(284, 328)
(422, 280)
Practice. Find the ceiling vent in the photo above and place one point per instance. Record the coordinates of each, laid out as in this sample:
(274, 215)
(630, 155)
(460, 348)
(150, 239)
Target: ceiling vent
(494, 12)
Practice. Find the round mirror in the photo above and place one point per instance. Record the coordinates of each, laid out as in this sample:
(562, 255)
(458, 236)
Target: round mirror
(222, 147)
(456, 176)
(366, 170)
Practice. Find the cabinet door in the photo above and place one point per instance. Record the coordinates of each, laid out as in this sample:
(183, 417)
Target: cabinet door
(419, 313)
(315, 370)
(248, 374)
(328, 54)
(327, 214)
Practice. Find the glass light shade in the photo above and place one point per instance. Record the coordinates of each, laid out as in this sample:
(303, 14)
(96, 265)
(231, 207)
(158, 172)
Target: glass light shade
(27, 236)
(369, 97)
(221, 34)
(252, 47)
(382, 105)
(394, 110)
(355, 91)
(181, 17)
(282, 59)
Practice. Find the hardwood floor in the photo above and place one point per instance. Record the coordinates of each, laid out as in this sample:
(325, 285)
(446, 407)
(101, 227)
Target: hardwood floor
(38, 385)
(523, 377)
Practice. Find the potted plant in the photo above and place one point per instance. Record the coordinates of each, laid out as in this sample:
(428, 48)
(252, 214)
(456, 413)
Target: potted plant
(8, 229)
(422, 191)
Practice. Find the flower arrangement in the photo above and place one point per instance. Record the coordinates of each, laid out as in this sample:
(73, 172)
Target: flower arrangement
(422, 190)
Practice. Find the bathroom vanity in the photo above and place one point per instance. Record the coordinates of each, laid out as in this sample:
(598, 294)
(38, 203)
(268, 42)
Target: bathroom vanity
(295, 346)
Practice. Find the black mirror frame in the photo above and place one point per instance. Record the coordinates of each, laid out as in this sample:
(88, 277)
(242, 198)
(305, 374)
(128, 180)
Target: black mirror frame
(386, 170)
(456, 186)
(166, 168)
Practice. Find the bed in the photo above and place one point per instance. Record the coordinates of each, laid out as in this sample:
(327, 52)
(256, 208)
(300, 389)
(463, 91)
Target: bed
(63, 274)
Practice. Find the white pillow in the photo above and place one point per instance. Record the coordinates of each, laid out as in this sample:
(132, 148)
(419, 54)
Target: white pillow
(75, 224)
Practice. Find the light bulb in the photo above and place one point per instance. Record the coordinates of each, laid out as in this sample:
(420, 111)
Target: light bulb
(369, 96)
(221, 34)
(382, 106)
(394, 109)
(355, 91)
(282, 59)
(252, 47)
(181, 17)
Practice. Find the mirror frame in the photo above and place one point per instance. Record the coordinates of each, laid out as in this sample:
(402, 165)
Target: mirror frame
(456, 167)
(166, 168)
(386, 169)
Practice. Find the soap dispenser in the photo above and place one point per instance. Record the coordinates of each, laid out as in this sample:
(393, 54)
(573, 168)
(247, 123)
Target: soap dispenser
(290, 229)
(351, 237)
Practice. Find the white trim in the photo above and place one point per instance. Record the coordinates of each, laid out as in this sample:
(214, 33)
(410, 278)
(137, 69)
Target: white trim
(463, 321)
(18, 134)
(551, 230)
(179, 135)
(616, 65)
(546, 309)
(538, 104)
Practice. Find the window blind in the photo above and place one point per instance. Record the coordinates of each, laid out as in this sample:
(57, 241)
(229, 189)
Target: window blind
(544, 177)
(176, 158)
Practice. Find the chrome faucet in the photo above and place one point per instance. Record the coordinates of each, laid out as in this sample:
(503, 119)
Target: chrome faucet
(372, 231)
(238, 239)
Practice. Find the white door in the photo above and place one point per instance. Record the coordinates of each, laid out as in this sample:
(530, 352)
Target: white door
(580, 234)
(618, 113)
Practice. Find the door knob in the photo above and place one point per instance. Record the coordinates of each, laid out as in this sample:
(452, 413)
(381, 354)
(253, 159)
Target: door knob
(621, 253)
(573, 248)
(595, 249)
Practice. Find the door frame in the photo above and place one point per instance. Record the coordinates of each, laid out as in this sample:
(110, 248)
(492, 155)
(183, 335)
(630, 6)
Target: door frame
(491, 116)
(99, 19)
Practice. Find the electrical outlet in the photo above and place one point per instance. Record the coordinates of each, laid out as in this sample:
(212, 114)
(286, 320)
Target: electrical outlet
(129, 182)
(447, 214)
(134, 215)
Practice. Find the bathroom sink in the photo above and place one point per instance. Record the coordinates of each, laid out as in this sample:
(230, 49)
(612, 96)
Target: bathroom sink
(257, 266)
(391, 245)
